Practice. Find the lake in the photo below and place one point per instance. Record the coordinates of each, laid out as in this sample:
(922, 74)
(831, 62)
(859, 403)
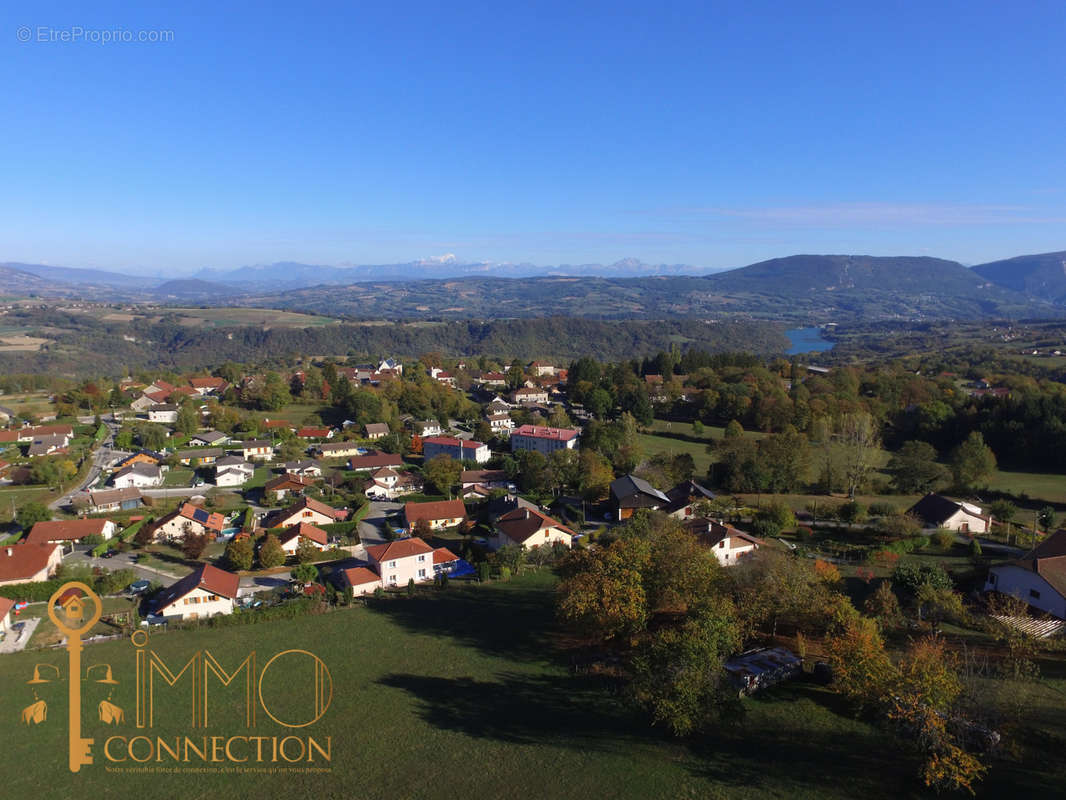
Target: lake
(804, 340)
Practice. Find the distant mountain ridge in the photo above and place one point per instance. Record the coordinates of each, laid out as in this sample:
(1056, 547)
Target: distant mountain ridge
(1041, 275)
(798, 286)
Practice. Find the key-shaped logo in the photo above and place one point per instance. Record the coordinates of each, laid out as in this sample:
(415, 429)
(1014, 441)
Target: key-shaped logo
(67, 610)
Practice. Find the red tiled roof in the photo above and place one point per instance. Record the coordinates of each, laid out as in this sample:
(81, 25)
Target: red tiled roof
(373, 460)
(278, 517)
(358, 576)
(6, 604)
(401, 548)
(442, 555)
(451, 441)
(211, 520)
(522, 523)
(65, 529)
(19, 562)
(206, 577)
(308, 531)
(313, 433)
(440, 509)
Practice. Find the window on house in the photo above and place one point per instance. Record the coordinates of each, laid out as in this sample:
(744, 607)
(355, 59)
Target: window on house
(421, 559)
(1034, 594)
(392, 563)
(421, 573)
(392, 579)
(722, 543)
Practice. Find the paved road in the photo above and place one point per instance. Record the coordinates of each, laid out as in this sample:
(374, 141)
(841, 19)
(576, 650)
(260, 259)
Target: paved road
(102, 457)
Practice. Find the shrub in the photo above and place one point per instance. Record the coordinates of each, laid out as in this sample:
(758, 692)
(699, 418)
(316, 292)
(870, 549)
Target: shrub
(910, 576)
(899, 526)
(975, 550)
(773, 518)
(505, 573)
(882, 509)
(851, 512)
(484, 571)
(410, 587)
(943, 539)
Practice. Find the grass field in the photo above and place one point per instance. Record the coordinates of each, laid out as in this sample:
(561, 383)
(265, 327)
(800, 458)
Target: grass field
(235, 317)
(462, 695)
(1038, 486)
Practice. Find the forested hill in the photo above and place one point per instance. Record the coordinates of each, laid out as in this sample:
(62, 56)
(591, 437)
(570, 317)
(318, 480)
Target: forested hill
(1042, 275)
(92, 346)
(815, 287)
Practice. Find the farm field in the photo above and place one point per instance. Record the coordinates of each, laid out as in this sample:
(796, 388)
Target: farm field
(235, 317)
(462, 694)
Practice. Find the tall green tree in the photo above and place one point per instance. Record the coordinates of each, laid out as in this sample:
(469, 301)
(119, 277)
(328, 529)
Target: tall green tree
(915, 470)
(972, 461)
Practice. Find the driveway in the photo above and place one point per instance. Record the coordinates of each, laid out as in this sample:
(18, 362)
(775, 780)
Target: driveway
(121, 561)
(370, 525)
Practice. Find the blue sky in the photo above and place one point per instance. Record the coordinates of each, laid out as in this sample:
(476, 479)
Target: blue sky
(714, 135)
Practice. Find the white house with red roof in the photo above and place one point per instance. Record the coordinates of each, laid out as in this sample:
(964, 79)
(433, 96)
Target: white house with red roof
(438, 513)
(70, 530)
(291, 537)
(402, 560)
(204, 592)
(543, 439)
(306, 509)
(361, 580)
(459, 449)
(188, 518)
(27, 562)
(528, 528)
(728, 544)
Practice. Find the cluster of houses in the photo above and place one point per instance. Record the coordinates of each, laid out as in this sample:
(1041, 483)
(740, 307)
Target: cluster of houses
(41, 440)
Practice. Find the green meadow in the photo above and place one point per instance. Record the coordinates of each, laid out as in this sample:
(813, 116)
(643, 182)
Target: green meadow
(460, 693)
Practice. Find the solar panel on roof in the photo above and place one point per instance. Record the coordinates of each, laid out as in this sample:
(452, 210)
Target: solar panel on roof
(200, 515)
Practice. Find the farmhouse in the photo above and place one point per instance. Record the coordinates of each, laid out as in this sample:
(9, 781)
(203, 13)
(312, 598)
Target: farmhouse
(209, 439)
(529, 528)
(937, 511)
(543, 440)
(204, 592)
(459, 449)
(439, 514)
(1038, 577)
(63, 531)
(527, 395)
(27, 562)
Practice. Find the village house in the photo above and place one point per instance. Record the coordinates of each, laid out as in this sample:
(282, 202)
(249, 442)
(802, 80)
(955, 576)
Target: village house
(375, 430)
(140, 457)
(209, 439)
(209, 385)
(1038, 577)
(315, 433)
(290, 483)
(204, 592)
(361, 580)
(188, 518)
(6, 604)
(392, 365)
(529, 528)
(165, 413)
(540, 368)
(542, 439)
(491, 380)
(68, 531)
(6, 414)
(500, 423)
(386, 484)
(28, 562)
(31, 433)
(255, 449)
(337, 450)
(728, 544)
(291, 537)
(526, 395)
(306, 509)
(401, 561)
(140, 476)
(630, 493)
(937, 511)
(375, 460)
(488, 478)
(47, 445)
(459, 449)
(233, 471)
(200, 456)
(426, 427)
(306, 468)
(107, 500)
(438, 514)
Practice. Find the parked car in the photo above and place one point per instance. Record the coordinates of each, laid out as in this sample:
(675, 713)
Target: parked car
(109, 554)
(137, 587)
